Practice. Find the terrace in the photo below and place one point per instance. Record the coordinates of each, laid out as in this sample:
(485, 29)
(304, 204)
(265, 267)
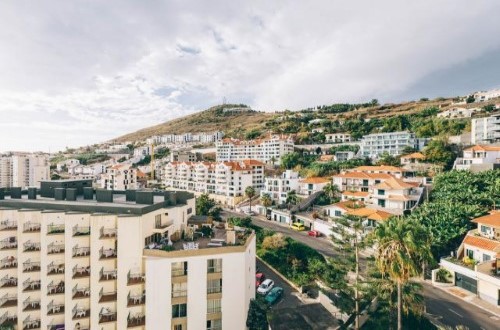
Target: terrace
(80, 312)
(107, 315)
(30, 246)
(8, 282)
(8, 320)
(55, 268)
(83, 251)
(81, 231)
(107, 233)
(8, 300)
(8, 225)
(79, 272)
(136, 320)
(81, 292)
(31, 227)
(9, 243)
(31, 266)
(53, 308)
(54, 229)
(54, 248)
(135, 277)
(136, 299)
(31, 304)
(31, 285)
(30, 323)
(107, 296)
(53, 288)
(8, 262)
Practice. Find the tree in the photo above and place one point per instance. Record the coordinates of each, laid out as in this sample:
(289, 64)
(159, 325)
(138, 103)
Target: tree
(403, 247)
(290, 160)
(250, 193)
(438, 151)
(292, 198)
(470, 99)
(274, 242)
(489, 108)
(204, 204)
(266, 200)
(388, 159)
(257, 314)
(331, 190)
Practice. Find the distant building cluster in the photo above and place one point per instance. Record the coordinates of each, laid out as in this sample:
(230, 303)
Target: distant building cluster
(186, 138)
(23, 169)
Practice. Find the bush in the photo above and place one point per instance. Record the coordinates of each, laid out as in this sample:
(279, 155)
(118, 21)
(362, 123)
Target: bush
(443, 276)
(274, 242)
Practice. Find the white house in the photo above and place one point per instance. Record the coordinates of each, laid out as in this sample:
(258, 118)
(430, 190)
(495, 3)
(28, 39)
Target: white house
(337, 138)
(311, 185)
(279, 186)
(479, 158)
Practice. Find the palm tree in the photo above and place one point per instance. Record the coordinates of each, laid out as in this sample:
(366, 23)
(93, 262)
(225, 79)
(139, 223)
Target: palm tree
(266, 200)
(403, 245)
(331, 190)
(250, 193)
(292, 198)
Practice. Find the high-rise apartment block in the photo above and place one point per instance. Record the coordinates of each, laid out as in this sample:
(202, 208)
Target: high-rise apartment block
(267, 150)
(23, 170)
(374, 145)
(485, 130)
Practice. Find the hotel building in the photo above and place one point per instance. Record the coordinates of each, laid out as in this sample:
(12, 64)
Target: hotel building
(265, 150)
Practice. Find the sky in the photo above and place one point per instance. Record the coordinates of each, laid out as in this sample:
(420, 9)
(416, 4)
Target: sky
(75, 73)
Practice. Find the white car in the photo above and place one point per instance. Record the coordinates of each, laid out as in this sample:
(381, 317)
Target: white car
(248, 212)
(265, 287)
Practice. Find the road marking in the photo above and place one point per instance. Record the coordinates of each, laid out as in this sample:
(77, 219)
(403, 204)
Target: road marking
(454, 312)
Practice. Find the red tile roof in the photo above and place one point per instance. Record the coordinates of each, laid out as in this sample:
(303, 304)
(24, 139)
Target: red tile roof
(482, 243)
(492, 219)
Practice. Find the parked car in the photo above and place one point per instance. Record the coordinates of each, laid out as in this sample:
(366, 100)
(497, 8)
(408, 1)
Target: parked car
(265, 287)
(298, 226)
(273, 295)
(314, 233)
(248, 212)
(259, 278)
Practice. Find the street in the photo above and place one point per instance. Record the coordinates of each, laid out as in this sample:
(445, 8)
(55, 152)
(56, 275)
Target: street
(447, 309)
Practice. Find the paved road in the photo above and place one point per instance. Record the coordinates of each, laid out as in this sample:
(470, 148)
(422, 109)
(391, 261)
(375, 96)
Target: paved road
(453, 311)
(449, 310)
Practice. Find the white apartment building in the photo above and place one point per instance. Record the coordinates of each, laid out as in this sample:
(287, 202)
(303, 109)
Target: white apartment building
(226, 179)
(202, 137)
(67, 163)
(373, 145)
(278, 187)
(265, 150)
(337, 138)
(486, 95)
(485, 130)
(458, 112)
(309, 186)
(142, 151)
(24, 170)
(119, 177)
(107, 262)
(479, 158)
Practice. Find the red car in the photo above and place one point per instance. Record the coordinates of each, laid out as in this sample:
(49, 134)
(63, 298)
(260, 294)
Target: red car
(314, 233)
(259, 278)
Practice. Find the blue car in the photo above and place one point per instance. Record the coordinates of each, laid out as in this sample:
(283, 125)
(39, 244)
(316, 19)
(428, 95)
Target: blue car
(273, 295)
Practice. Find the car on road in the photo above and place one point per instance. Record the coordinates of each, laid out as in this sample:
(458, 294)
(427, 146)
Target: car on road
(273, 295)
(314, 233)
(248, 212)
(298, 226)
(259, 278)
(265, 286)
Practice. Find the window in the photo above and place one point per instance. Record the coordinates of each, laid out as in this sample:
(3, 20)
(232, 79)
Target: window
(338, 213)
(178, 327)
(486, 257)
(190, 210)
(214, 324)
(381, 192)
(179, 268)
(213, 306)
(179, 289)
(179, 310)
(214, 286)
(214, 265)
(484, 229)
(470, 253)
(381, 202)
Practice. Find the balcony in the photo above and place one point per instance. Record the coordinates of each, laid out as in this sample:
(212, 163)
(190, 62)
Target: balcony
(8, 262)
(136, 320)
(55, 268)
(107, 253)
(31, 285)
(135, 278)
(52, 326)
(8, 225)
(8, 300)
(53, 308)
(31, 305)
(54, 288)
(31, 266)
(80, 312)
(107, 296)
(81, 292)
(81, 251)
(107, 315)
(136, 299)
(8, 320)
(53, 229)
(81, 231)
(107, 233)
(79, 272)
(9, 243)
(53, 248)
(179, 293)
(8, 282)
(107, 274)
(31, 227)
(31, 323)
(30, 246)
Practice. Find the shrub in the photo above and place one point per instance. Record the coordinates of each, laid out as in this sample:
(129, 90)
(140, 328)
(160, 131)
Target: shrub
(274, 242)
(443, 276)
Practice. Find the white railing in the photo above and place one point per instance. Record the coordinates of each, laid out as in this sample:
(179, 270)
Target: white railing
(55, 288)
(8, 281)
(34, 304)
(81, 251)
(107, 315)
(136, 299)
(55, 248)
(107, 232)
(30, 323)
(31, 226)
(55, 268)
(6, 298)
(79, 312)
(108, 274)
(31, 246)
(135, 276)
(8, 243)
(8, 225)
(55, 229)
(84, 290)
(53, 308)
(80, 230)
(81, 271)
(8, 262)
(31, 284)
(29, 265)
(107, 253)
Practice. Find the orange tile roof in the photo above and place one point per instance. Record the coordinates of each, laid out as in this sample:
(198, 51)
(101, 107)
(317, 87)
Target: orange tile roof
(349, 205)
(315, 179)
(401, 198)
(415, 155)
(483, 148)
(384, 168)
(356, 193)
(371, 214)
(482, 243)
(394, 183)
(363, 175)
(253, 162)
(492, 219)
(325, 158)
(141, 174)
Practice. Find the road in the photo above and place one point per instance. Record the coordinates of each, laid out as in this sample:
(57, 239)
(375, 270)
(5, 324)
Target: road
(449, 310)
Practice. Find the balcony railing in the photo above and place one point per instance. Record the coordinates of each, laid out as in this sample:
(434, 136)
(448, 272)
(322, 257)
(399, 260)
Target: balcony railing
(31, 246)
(107, 274)
(136, 299)
(8, 243)
(31, 285)
(215, 289)
(31, 227)
(8, 225)
(8, 262)
(106, 296)
(107, 232)
(55, 288)
(107, 315)
(179, 293)
(31, 266)
(81, 231)
(80, 312)
(8, 281)
(53, 248)
(8, 300)
(53, 229)
(83, 271)
(53, 308)
(31, 323)
(8, 320)
(107, 253)
(135, 320)
(80, 292)
(55, 268)
(135, 277)
(31, 304)
(81, 251)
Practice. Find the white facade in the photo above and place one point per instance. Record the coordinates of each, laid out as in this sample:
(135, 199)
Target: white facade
(264, 150)
(337, 138)
(458, 112)
(68, 163)
(119, 177)
(478, 157)
(202, 137)
(485, 130)
(24, 170)
(142, 151)
(279, 186)
(374, 145)
(486, 95)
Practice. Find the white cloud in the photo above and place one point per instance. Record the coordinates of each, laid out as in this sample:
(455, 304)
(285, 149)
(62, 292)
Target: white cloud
(75, 73)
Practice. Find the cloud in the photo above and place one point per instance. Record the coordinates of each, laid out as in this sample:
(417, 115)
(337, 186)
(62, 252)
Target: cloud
(81, 72)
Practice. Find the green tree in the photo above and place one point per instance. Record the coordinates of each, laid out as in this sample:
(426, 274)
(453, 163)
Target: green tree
(388, 159)
(292, 198)
(204, 204)
(438, 151)
(266, 200)
(470, 99)
(290, 160)
(403, 247)
(257, 314)
(250, 193)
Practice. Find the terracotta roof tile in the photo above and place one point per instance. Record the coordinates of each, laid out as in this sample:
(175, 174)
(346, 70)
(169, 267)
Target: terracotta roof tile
(482, 243)
(483, 148)
(394, 183)
(315, 180)
(415, 155)
(492, 219)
